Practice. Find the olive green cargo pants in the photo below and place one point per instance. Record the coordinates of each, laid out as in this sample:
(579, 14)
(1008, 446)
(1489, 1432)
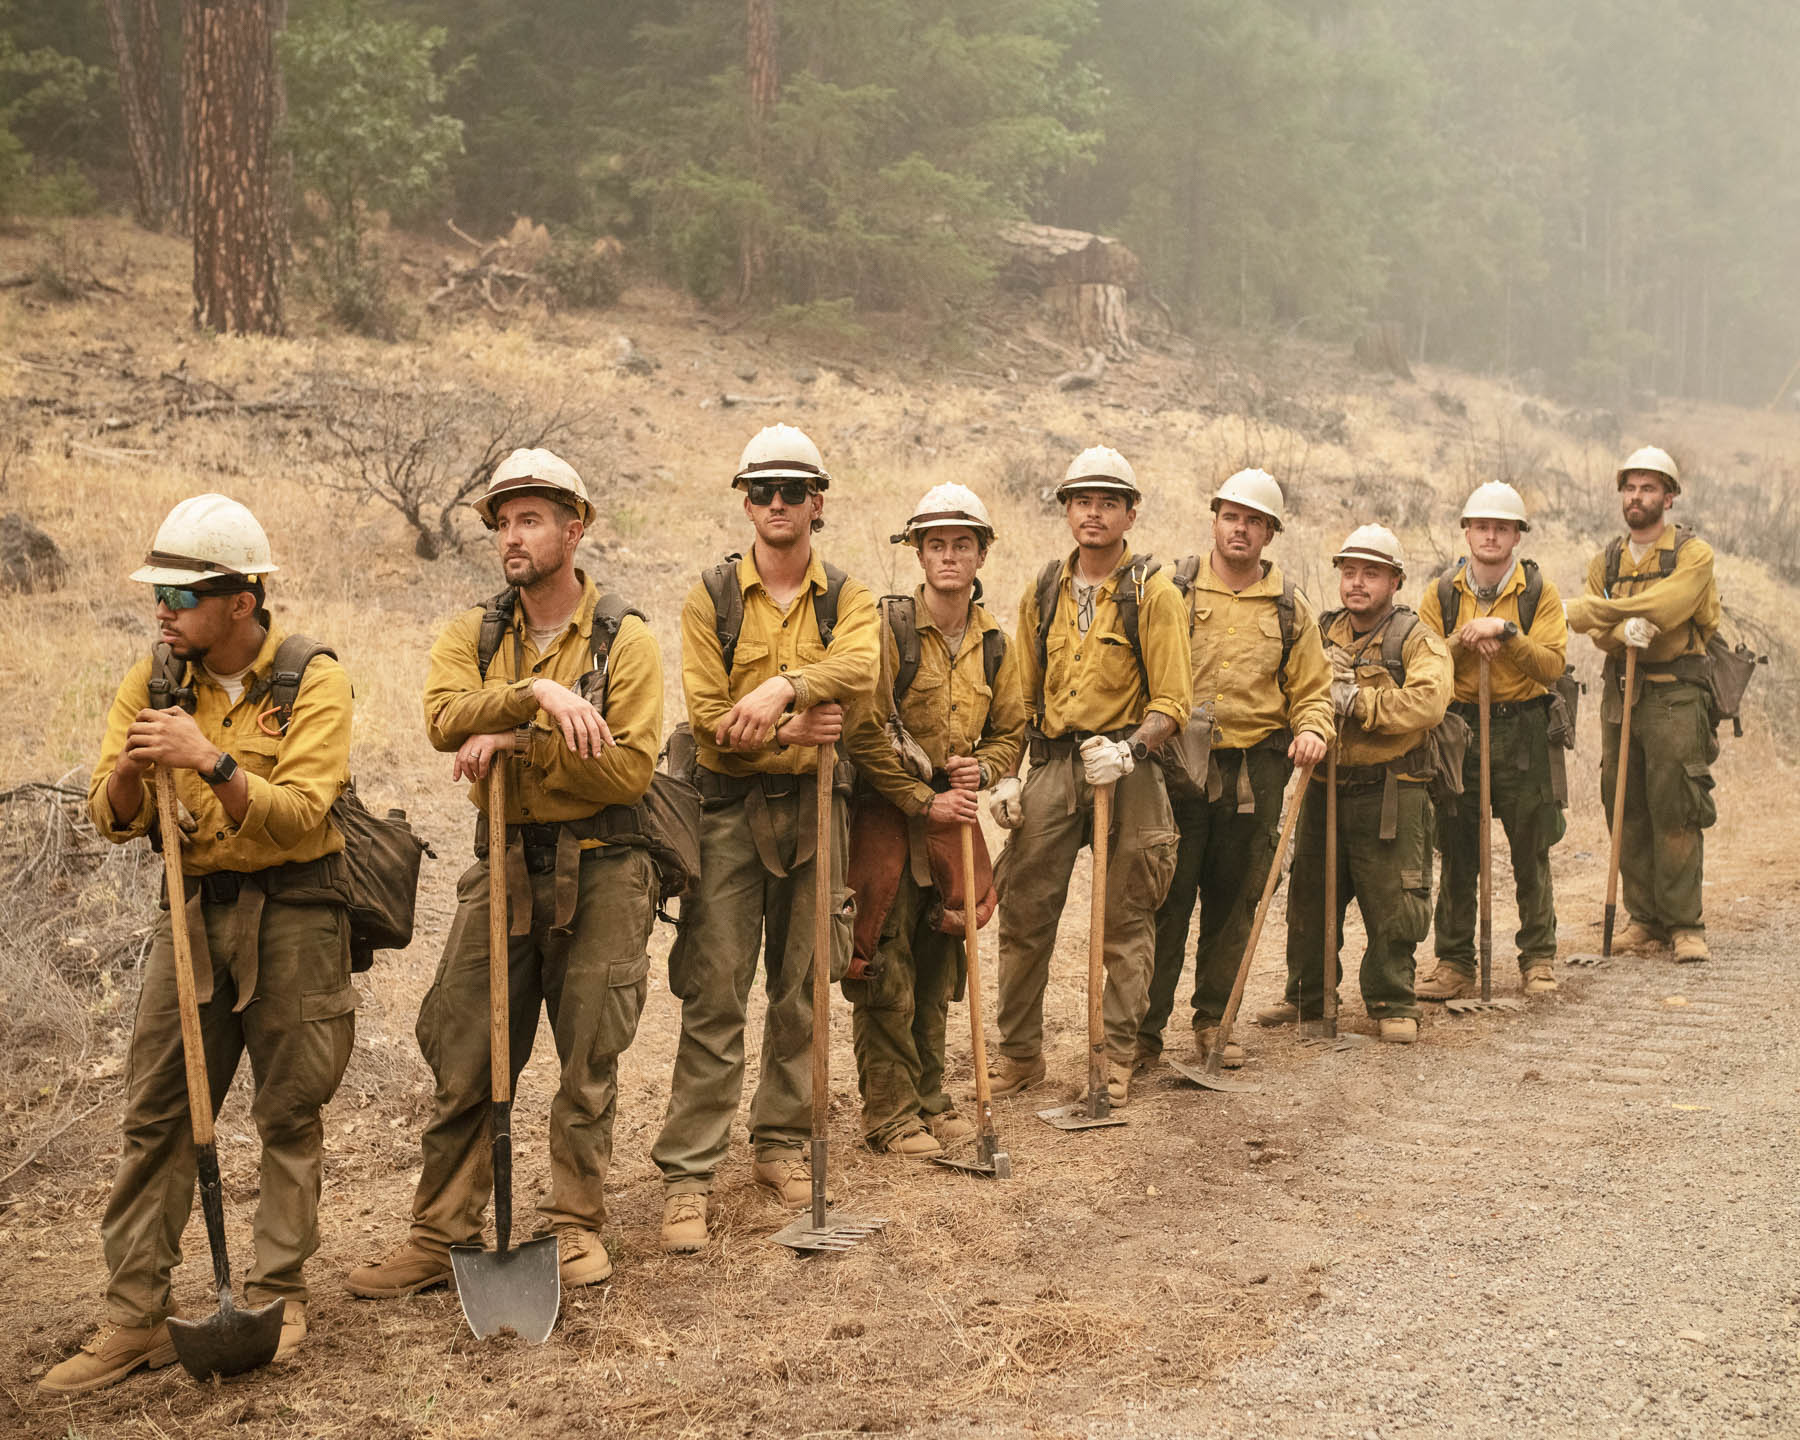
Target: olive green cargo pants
(1223, 859)
(297, 1030)
(1524, 802)
(1391, 880)
(743, 908)
(900, 1016)
(1669, 802)
(590, 980)
(1032, 877)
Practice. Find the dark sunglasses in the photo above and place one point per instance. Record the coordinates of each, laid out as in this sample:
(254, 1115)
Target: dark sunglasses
(792, 492)
(183, 597)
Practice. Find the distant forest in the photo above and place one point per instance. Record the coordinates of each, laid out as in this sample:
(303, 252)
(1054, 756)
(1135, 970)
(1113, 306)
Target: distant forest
(1598, 196)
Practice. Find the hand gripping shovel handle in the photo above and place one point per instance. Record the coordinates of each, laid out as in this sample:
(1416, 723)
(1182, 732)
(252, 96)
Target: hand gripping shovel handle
(821, 996)
(1618, 812)
(1487, 836)
(1223, 1038)
(1099, 1102)
(499, 1008)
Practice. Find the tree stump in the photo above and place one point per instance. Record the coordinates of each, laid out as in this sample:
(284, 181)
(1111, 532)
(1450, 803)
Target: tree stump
(1097, 316)
(1086, 280)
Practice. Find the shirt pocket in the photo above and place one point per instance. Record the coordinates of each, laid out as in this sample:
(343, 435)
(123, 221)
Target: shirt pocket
(1115, 662)
(257, 753)
(750, 666)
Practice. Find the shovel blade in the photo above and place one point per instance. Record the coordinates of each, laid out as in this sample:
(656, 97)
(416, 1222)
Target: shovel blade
(1593, 957)
(228, 1342)
(1468, 1005)
(1206, 1080)
(840, 1232)
(1078, 1116)
(998, 1168)
(518, 1289)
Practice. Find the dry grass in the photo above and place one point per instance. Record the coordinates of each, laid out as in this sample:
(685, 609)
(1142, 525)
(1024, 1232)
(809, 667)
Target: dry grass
(1091, 1284)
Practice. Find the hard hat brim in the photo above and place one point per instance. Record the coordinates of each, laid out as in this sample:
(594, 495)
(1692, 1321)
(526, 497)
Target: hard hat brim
(1469, 515)
(1669, 480)
(1097, 482)
(519, 489)
(1219, 500)
(1371, 555)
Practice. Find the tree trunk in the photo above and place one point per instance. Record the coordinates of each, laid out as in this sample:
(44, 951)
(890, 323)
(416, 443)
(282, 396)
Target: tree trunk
(1098, 315)
(138, 52)
(229, 89)
(762, 66)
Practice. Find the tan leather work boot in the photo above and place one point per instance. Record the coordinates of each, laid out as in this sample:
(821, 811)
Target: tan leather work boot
(407, 1271)
(293, 1328)
(1118, 1083)
(1538, 980)
(1690, 947)
(789, 1177)
(915, 1143)
(1233, 1055)
(1145, 1057)
(1638, 936)
(1444, 983)
(1282, 1014)
(581, 1258)
(1399, 1032)
(684, 1223)
(109, 1357)
(949, 1127)
(1014, 1076)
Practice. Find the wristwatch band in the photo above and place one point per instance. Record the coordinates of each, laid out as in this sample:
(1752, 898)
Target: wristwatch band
(223, 769)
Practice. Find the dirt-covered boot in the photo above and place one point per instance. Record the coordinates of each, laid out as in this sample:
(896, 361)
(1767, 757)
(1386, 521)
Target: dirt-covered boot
(109, 1357)
(788, 1176)
(949, 1127)
(581, 1258)
(1282, 1014)
(913, 1142)
(1638, 936)
(1399, 1031)
(293, 1328)
(407, 1271)
(1690, 947)
(684, 1223)
(1538, 980)
(1118, 1083)
(1445, 983)
(1233, 1055)
(1015, 1076)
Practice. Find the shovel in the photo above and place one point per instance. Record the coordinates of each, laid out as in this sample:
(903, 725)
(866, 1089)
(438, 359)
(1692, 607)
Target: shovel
(1618, 820)
(1208, 1076)
(818, 1230)
(1096, 1110)
(990, 1160)
(1468, 1003)
(506, 1288)
(231, 1340)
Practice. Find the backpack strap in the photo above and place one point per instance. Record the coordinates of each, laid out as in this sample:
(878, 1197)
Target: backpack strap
(902, 616)
(825, 608)
(1048, 582)
(1287, 616)
(1127, 597)
(1186, 571)
(993, 654)
(727, 598)
(168, 676)
(496, 616)
(282, 685)
(1665, 559)
(1393, 641)
(609, 614)
(1534, 592)
(1448, 605)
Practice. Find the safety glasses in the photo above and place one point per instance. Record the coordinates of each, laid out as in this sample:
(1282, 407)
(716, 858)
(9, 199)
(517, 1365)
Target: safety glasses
(792, 492)
(177, 597)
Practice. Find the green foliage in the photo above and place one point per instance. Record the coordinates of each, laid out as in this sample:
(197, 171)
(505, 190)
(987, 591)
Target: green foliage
(42, 91)
(583, 277)
(365, 133)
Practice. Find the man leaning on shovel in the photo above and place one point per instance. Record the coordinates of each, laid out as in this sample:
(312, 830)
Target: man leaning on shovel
(582, 742)
(272, 976)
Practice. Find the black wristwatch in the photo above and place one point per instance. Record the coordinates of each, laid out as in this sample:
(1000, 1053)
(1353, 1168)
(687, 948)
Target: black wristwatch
(1139, 750)
(222, 771)
(1508, 629)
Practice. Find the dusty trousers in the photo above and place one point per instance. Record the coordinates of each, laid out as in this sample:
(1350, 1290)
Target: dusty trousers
(1391, 882)
(743, 910)
(590, 980)
(1524, 803)
(297, 1030)
(1032, 877)
(900, 1016)
(1669, 802)
(1223, 860)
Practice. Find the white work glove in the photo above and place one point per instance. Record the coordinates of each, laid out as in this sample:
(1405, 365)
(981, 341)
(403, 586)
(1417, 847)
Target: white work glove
(1639, 632)
(1005, 804)
(1343, 696)
(1105, 760)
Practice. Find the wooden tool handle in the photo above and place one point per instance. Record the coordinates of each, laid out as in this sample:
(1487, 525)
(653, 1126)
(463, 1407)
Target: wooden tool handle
(499, 942)
(193, 1044)
(822, 917)
(1329, 1005)
(1618, 811)
(1486, 837)
(972, 954)
(1103, 808)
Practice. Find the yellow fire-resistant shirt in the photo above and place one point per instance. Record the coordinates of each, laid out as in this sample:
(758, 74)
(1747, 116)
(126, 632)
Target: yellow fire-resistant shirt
(1234, 640)
(1093, 682)
(293, 779)
(776, 642)
(550, 782)
(950, 709)
(1687, 595)
(1528, 664)
(1390, 720)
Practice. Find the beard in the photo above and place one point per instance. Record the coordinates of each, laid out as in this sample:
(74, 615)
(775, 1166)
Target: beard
(522, 571)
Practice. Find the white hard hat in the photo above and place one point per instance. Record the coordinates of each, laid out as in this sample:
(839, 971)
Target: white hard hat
(1495, 500)
(1373, 542)
(1100, 467)
(1657, 461)
(947, 505)
(781, 452)
(534, 472)
(1254, 489)
(206, 537)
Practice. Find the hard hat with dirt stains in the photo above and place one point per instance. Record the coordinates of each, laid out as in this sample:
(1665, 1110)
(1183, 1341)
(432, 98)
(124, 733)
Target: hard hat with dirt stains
(1100, 467)
(1372, 542)
(1657, 462)
(948, 505)
(1495, 500)
(781, 452)
(207, 538)
(1253, 489)
(533, 472)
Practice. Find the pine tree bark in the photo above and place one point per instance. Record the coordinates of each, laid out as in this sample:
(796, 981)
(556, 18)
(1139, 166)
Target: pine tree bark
(229, 94)
(138, 53)
(762, 66)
